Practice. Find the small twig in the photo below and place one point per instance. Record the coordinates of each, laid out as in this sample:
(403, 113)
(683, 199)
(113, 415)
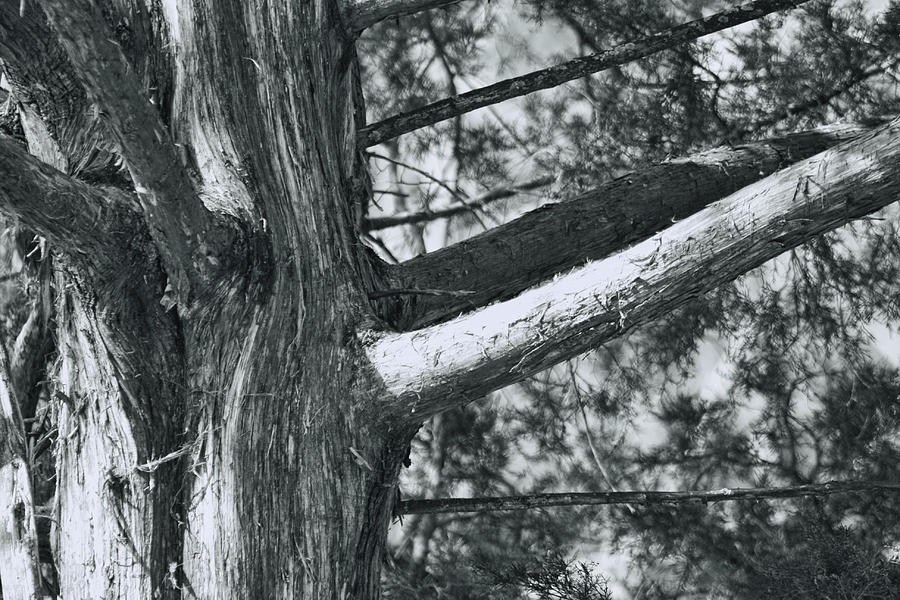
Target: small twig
(151, 466)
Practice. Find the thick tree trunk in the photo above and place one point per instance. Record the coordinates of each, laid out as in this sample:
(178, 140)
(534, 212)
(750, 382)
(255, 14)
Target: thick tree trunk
(218, 434)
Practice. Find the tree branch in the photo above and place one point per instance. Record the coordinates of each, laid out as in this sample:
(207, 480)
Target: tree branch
(568, 71)
(502, 262)
(365, 13)
(410, 218)
(458, 505)
(184, 230)
(449, 364)
(76, 217)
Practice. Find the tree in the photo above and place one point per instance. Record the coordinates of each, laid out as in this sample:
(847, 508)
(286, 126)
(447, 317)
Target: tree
(236, 377)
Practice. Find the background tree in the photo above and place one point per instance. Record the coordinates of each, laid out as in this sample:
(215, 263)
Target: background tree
(230, 380)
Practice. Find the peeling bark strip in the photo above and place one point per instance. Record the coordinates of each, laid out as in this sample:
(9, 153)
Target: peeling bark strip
(19, 562)
(460, 505)
(365, 13)
(500, 263)
(184, 230)
(450, 364)
(574, 69)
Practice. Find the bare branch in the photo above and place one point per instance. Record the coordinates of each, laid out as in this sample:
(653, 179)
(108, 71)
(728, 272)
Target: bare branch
(502, 262)
(410, 218)
(568, 71)
(365, 13)
(184, 230)
(449, 364)
(458, 505)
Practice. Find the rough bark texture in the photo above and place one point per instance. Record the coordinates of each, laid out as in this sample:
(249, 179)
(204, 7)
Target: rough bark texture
(500, 263)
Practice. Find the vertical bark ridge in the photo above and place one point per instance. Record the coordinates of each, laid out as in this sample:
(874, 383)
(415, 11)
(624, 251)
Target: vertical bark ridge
(116, 526)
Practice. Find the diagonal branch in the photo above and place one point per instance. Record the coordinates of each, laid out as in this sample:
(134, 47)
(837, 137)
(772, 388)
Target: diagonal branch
(73, 215)
(365, 13)
(410, 218)
(433, 369)
(502, 262)
(568, 71)
(458, 505)
(183, 229)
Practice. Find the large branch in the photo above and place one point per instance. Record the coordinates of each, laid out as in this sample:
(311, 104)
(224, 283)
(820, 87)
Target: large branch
(568, 71)
(185, 232)
(460, 505)
(502, 262)
(87, 223)
(449, 364)
(365, 13)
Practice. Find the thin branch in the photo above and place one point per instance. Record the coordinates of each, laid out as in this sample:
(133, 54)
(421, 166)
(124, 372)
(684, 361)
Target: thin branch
(502, 262)
(446, 365)
(568, 71)
(458, 505)
(365, 13)
(409, 218)
(184, 230)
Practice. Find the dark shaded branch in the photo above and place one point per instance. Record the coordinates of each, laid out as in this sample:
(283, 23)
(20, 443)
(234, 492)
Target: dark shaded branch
(568, 71)
(410, 218)
(76, 217)
(184, 230)
(446, 365)
(365, 13)
(458, 505)
(502, 262)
